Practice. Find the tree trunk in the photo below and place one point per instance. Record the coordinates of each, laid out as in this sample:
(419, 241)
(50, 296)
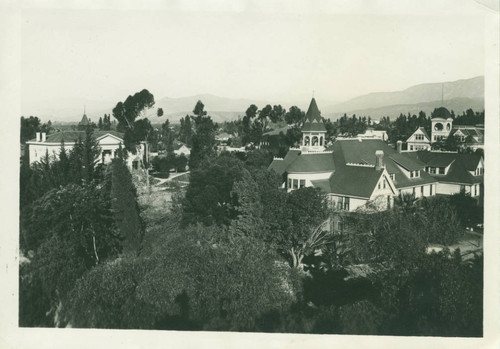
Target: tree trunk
(296, 258)
(95, 250)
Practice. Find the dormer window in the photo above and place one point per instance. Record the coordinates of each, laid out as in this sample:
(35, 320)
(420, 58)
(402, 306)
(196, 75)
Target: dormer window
(393, 176)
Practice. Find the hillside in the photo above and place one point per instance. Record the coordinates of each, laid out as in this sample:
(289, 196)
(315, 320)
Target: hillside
(219, 108)
(456, 93)
(456, 104)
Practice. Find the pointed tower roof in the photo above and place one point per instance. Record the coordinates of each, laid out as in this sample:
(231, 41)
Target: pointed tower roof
(84, 121)
(313, 120)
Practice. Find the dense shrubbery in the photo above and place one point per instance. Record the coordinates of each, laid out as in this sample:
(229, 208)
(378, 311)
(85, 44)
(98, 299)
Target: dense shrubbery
(219, 286)
(237, 253)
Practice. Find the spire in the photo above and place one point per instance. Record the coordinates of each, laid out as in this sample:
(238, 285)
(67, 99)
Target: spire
(313, 112)
(313, 121)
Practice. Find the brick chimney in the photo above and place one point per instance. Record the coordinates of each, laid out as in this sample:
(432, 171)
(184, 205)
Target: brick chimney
(44, 135)
(399, 146)
(38, 136)
(379, 154)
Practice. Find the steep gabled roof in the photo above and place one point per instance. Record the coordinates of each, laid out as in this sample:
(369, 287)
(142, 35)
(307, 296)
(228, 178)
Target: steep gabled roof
(85, 121)
(461, 164)
(357, 181)
(313, 121)
(458, 174)
(363, 152)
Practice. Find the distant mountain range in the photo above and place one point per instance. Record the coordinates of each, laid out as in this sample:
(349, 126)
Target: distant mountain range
(219, 108)
(457, 95)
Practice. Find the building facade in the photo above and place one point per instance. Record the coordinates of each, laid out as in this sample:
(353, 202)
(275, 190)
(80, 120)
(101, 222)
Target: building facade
(366, 174)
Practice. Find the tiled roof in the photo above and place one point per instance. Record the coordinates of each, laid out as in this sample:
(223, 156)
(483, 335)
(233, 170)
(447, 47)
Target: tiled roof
(323, 184)
(72, 136)
(458, 174)
(435, 159)
(441, 112)
(401, 181)
(357, 181)
(407, 162)
(280, 165)
(312, 162)
(363, 152)
(313, 120)
(461, 164)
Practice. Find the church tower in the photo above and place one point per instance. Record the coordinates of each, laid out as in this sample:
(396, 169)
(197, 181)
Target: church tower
(313, 130)
(442, 123)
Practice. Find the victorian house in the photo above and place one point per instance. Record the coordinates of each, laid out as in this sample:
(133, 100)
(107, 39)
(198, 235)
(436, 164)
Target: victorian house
(366, 174)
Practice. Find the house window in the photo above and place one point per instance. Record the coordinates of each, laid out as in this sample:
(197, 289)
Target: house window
(413, 191)
(475, 190)
(384, 182)
(393, 176)
(378, 186)
(411, 174)
(417, 173)
(441, 170)
(422, 190)
(430, 189)
(339, 203)
(411, 147)
(346, 203)
(302, 183)
(289, 183)
(295, 184)
(432, 170)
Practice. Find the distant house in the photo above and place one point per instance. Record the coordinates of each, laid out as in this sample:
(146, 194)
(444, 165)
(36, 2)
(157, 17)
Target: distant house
(181, 148)
(455, 172)
(441, 128)
(366, 174)
(469, 136)
(223, 138)
(419, 140)
(371, 133)
(109, 143)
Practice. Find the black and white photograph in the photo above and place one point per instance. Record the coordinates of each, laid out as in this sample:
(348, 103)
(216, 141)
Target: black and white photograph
(250, 174)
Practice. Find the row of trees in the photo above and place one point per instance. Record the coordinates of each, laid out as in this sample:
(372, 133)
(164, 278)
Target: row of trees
(30, 126)
(75, 215)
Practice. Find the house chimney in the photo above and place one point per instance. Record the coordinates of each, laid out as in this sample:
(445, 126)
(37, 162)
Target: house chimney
(399, 146)
(38, 136)
(43, 136)
(380, 159)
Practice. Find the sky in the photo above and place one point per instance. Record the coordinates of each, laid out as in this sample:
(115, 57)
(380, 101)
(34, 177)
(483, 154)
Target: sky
(265, 54)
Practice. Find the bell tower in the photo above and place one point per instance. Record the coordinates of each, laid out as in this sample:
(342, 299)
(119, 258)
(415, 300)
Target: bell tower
(313, 130)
